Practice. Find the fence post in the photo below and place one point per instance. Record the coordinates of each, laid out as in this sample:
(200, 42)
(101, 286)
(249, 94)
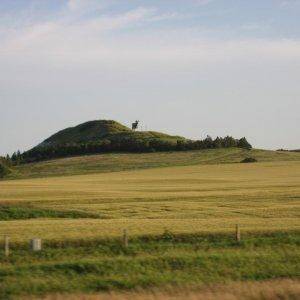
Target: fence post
(36, 244)
(125, 238)
(237, 233)
(6, 245)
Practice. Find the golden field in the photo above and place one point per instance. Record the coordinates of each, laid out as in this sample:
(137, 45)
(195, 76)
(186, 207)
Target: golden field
(183, 199)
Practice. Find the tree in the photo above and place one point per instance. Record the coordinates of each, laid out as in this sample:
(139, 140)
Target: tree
(218, 142)
(243, 143)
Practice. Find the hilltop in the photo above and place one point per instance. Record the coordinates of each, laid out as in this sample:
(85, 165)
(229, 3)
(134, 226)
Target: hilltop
(100, 136)
(108, 136)
(86, 132)
(100, 130)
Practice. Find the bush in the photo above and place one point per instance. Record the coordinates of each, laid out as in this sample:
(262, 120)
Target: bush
(4, 170)
(249, 160)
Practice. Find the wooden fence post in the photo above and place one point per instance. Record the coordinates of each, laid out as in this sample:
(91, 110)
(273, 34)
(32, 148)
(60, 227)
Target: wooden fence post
(125, 238)
(238, 233)
(6, 245)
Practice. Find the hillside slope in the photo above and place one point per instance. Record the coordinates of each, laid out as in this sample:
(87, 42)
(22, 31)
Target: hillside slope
(107, 136)
(98, 130)
(128, 161)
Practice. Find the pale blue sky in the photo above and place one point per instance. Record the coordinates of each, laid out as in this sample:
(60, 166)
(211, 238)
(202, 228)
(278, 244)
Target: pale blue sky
(192, 67)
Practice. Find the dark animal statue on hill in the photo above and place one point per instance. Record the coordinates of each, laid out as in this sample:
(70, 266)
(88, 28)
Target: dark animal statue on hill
(135, 125)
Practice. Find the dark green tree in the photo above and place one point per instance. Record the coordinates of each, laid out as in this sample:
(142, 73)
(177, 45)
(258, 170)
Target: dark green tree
(243, 143)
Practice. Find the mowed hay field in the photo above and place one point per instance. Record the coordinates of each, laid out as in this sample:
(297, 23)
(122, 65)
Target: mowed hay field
(200, 198)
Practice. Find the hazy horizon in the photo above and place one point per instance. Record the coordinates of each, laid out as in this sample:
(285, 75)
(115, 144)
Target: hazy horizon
(191, 68)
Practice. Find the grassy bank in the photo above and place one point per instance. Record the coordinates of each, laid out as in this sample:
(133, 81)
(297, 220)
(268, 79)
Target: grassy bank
(150, 261)
(276, 289)
(121, 161)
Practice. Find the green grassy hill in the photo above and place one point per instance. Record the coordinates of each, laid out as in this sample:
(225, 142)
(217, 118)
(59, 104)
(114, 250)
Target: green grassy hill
(107, 136)
(112, 162)
(95, 131)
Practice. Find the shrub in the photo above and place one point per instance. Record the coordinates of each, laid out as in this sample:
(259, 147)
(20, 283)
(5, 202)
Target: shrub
(249, 160)
(4, 170)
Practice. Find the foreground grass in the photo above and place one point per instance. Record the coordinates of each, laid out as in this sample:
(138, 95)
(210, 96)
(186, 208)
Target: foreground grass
(150, 261)
(119, 162)
(278, 289)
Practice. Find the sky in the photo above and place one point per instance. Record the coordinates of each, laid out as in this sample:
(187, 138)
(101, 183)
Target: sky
(191, 67)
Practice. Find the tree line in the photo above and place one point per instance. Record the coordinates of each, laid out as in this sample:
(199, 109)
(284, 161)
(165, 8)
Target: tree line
(123, 145)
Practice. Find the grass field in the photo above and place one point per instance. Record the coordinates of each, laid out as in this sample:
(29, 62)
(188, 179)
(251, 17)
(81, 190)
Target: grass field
(261, 196)
(166, 260)
(265, 290)
(121, 161)
(180, 220)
